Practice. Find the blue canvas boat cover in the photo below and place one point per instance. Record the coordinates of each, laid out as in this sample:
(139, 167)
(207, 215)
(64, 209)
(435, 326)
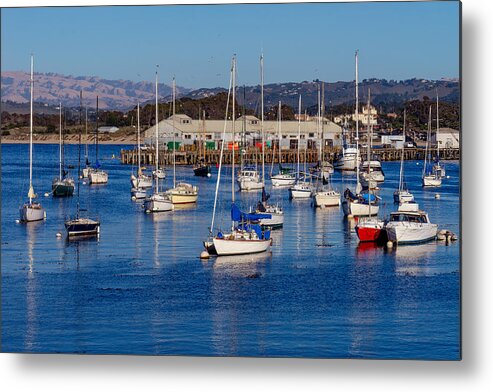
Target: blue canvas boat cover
(238, 216)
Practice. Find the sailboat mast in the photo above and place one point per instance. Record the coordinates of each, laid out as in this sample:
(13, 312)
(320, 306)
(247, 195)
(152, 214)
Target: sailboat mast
(87, 148)
(438, 131)
(299, 134)
(138, 137)
(358, 186)
(97, 130)
(427, 141)
(369, 131)
(78, 169)
(401, 185)
(322, 144)
(174, 142)
(221, 155)
(204, 141)
(233, 133)
(60, 145)
(279, 130)
(319, 126)
(31, 194)
(157, 135)
(262, 115)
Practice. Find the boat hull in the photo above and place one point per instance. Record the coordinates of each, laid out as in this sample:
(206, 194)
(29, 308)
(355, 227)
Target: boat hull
(82, 227)
(327, 199)
(225, 247)
(247, 184)
(276, 221)
(300, 191)
(138, 193)
(158, 203)
(63, 188)
(411, 233)
(359, 209)
(370, 231)
(141, 181)
(31, 213)
(432, 181)
(202, 171)
(347, 162)
(403, 197)
(97, 177)
(281, 180)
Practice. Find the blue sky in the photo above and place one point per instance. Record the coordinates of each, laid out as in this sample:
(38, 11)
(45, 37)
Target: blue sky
(195, 43)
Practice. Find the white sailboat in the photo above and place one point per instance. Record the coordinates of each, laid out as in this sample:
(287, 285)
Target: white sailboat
(31, 211)
(429, 177)
(182, 192)
(87, 168)
(301, 189)
(285, 177)
(141, 182)
(245, 237)
(402, 194)
(324, 196)
(63, 185)
(158, 201)
(97, 176)
(438, 169)
(276, 219)
(358, 204)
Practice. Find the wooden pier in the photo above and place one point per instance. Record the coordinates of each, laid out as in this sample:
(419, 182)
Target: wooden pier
(254, 155)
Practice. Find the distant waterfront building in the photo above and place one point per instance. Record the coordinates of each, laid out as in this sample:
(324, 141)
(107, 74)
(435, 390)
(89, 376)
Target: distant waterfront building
(108, 129)
(362, 116)
(447, 137)
(190, 131)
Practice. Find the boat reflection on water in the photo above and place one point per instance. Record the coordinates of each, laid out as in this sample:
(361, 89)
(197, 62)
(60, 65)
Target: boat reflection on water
(30, 337)
(416, 260)
(369, 249)
(242, 265)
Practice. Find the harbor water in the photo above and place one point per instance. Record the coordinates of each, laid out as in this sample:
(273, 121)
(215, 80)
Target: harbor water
(140, 287)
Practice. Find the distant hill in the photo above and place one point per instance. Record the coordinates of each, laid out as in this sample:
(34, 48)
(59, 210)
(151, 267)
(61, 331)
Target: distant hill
(50, 88)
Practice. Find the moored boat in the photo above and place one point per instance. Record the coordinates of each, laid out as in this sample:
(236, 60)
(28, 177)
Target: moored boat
(410, 227)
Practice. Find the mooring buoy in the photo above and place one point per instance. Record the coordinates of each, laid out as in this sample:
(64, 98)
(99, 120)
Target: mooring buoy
(204, 254)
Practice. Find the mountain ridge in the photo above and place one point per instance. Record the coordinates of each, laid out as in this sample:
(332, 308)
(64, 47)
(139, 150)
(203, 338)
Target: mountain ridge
(120, 94)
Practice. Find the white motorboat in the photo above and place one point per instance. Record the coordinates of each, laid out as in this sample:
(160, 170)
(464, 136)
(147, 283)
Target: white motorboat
(349, 159)
(410, 227)
(250, 180)
(328, 198)
(31, 211)
(245, 236)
